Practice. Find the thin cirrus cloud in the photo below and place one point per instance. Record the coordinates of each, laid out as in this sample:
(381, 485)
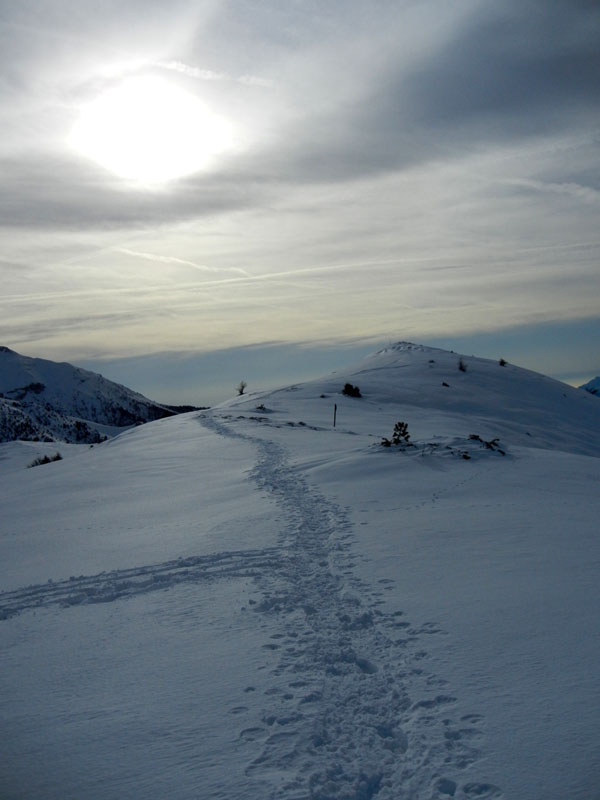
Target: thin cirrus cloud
(209, 75)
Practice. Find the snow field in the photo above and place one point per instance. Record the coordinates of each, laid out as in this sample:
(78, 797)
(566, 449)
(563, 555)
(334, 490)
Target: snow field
(248, 603)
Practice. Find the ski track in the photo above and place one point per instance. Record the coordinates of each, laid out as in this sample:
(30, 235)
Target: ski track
(353, 713)
(115, 584)
(344, 726)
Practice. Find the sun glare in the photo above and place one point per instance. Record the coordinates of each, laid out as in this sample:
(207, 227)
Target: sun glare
(150, 131)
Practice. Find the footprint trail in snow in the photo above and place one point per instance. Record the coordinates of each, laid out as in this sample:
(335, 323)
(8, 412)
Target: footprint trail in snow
(351, 713)
(340, 723)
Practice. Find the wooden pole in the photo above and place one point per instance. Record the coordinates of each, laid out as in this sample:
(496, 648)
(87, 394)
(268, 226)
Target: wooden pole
(334, 413)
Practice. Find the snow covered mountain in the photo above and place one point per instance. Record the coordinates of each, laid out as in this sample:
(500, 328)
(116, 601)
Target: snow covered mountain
(41, 399)
(593, 386)
(446, 394)
(248, 602)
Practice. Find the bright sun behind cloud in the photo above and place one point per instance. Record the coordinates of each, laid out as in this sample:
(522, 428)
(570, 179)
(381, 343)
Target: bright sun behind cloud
(150, 131)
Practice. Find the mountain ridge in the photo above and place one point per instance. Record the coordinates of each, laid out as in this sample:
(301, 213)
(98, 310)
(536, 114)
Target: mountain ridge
(56, 401)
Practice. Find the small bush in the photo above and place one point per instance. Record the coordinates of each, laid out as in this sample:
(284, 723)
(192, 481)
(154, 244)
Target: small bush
(461, 365)
(45, 460)
(400, 436)
(351, 391)
(502, 362)
(241, 387)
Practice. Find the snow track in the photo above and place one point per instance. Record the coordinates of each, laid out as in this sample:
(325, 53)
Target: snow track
(116, 584)
(353, 714)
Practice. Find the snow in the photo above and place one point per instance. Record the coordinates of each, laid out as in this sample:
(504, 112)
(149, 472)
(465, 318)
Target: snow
(45, 400)
(249, 603)
(592, 386)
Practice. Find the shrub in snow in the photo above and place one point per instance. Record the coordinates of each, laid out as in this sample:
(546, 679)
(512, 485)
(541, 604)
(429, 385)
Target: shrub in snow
(461, 365)
(45, 460)
(493, 444)
(502, 362)
(400, 436)
(351, 391)
(241, 387)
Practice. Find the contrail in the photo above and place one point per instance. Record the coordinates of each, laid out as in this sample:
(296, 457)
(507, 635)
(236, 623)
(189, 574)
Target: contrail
(175, 260)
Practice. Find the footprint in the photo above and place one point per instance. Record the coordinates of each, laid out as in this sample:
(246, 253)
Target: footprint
(251, 734)
(366, 666)
(485, 791)
(446, 786)
(473, 719)
(463, 733)
(440, 700)
(313, 697)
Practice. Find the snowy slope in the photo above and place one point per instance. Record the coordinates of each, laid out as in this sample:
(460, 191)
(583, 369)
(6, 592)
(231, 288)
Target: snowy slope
(518, 405)
(249, 603)
(44, 399)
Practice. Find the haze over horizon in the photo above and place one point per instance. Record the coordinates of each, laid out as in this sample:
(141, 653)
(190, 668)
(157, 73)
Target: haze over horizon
(278, 181)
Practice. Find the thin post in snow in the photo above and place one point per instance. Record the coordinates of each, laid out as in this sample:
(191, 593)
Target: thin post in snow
(334, 413)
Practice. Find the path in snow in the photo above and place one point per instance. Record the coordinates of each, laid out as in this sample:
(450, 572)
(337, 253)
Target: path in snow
(341, 723)
(351, 712)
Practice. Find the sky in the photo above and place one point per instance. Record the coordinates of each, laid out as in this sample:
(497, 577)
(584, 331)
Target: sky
(267, 189)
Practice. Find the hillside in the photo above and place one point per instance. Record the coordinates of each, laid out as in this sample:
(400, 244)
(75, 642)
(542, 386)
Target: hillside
(45, 400)
(425, 387)
(250, 603)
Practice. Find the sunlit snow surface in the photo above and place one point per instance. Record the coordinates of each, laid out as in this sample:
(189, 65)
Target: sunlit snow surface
(249, 603)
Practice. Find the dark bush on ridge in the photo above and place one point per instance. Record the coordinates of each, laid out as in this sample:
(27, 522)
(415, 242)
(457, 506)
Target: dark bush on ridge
(45, 460)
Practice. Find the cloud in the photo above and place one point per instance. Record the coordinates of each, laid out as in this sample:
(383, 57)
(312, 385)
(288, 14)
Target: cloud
(571, 189)
(409, 169)
(53, 191)
(357, 95)
(174, 260)
(519, 65)
(509, 72)
(210, 75)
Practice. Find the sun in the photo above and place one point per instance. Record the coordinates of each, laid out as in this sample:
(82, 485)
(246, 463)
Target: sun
(150, 131)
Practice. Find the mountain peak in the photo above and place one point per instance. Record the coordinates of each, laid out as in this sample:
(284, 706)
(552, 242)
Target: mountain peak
(46, 400)
(593, 386)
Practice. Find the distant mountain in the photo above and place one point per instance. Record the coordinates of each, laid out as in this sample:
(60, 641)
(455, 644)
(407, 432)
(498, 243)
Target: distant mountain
(593, 386)
(45, 400)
